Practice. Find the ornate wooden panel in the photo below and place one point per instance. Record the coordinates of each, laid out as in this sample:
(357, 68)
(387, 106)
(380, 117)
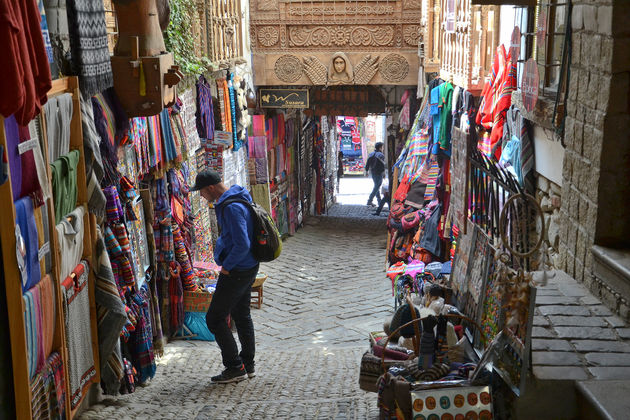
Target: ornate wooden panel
(372, 42)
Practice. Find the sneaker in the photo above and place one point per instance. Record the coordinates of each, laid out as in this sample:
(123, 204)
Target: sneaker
(230, 375)
(251, 371)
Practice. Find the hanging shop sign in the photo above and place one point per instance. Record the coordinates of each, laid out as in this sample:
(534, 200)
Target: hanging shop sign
(515, 45)
(529, 84)
(283, 98)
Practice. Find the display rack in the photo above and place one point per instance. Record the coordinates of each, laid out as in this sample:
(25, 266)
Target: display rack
(15, 306)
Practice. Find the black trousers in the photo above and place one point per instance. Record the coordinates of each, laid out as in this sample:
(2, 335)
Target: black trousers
(232, 297)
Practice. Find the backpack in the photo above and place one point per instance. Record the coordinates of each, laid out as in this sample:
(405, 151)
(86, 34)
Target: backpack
(267, 244)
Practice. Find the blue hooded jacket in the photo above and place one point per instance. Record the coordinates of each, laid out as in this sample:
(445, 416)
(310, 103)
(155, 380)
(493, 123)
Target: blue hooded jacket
(233, 248)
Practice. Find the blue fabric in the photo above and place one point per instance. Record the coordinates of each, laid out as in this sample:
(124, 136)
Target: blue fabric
(511, 158)
(196, 323)
(26, 220)
(434, 103)
(233, 248)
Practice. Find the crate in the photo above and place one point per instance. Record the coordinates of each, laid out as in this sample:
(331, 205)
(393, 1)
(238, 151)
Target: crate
(197, 301)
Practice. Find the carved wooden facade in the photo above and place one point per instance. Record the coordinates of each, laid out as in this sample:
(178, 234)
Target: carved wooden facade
(469, 36)
(372, 42)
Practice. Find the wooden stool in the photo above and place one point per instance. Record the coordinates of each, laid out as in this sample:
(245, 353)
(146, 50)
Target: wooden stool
(257, 289)
(257, 299)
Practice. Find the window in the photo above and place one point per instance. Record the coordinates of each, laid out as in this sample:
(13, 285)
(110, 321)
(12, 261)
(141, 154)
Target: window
(544, 38)
(543, 28)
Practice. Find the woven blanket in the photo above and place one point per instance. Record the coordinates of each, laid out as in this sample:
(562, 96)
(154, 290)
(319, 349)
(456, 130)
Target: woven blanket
(88, 41)
(76, 302)
(111, 317)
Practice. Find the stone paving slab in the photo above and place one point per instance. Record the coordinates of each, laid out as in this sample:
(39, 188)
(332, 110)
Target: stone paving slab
(573, 330)
(323, 296)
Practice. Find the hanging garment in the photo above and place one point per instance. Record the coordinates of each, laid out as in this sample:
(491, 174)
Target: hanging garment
(24, 70)
(170, 151)
(25, 219)
(48, 395)
(94, 169)
(111, 316)
(76, 305)
(205, 110)
(70, 237)
(514, 130)
(88, 40)
(58, 112)
(64, 184)
(497, 98)
(443, 143)
(141, 339)
(37, 139)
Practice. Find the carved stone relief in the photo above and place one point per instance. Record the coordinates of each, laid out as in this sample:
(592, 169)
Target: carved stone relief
(347, 10)
(412, 4)
(268, 36)
(394, 67)
(340, 70)
(354, 36)
(365, 70)
(288, 68)
(267, 4)
(315, 70)
(412, 34)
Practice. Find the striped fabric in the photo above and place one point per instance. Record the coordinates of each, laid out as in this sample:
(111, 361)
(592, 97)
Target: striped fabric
(113, 207)
(48, 391)
(433, 175)
(111, 318)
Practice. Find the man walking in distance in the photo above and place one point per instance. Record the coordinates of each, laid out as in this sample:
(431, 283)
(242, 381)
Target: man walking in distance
(375, 166)
(233, 252)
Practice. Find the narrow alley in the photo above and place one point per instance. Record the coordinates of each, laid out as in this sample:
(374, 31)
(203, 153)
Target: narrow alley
(310, 334)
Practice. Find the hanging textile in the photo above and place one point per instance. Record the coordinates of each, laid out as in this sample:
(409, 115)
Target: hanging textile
(141, 339)
(170, 151)
(111, 316)
(76, 303)
(48, 391)
(24, 70)
(515, 131)
(88, 41)
(25, 220)
(70, 233)
(497, 98)
(205, 110)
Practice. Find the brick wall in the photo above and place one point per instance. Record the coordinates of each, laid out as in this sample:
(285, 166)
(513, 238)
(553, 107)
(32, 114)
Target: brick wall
(596, 135)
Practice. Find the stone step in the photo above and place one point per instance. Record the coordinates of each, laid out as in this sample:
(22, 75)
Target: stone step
(603, 400)
(577, 343)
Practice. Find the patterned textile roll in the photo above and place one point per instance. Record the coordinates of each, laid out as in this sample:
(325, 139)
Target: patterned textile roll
(113, 247)
(76, 303)
(114, 207)
(181, 255)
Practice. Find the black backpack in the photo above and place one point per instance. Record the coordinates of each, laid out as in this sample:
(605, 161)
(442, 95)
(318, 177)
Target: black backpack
(267, 244)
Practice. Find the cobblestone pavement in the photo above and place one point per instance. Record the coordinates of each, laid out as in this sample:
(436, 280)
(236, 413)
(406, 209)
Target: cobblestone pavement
(322, 297)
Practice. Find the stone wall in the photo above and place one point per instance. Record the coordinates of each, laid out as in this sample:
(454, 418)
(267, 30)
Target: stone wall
(594, 198)
(548, 195)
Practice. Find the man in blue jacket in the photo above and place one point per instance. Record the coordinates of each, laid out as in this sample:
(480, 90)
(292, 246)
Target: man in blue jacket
(238, 272)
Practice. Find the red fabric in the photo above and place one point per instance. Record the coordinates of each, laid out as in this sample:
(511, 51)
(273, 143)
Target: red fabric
(497, 98)
(30, 181)
(24, 69)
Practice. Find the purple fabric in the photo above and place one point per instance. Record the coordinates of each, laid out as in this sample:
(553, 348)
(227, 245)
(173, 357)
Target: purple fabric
(15, 163)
